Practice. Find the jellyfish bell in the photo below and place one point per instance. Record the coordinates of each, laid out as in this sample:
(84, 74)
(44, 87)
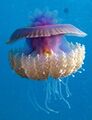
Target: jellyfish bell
(45, 42)
(48, 54)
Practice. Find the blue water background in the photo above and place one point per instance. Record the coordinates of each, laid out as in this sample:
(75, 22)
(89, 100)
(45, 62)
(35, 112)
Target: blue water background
(14, 101)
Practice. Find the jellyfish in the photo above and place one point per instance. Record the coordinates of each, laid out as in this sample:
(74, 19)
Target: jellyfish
(48, 56)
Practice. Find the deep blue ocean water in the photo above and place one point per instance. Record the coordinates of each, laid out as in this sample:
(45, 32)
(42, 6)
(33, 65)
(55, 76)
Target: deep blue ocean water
(14, 101)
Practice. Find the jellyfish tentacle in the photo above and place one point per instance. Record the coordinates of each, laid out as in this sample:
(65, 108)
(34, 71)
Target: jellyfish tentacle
(46, 100)
(43, 109)
(61, 95)
(66, 86)
(35, 104)
(55, 91)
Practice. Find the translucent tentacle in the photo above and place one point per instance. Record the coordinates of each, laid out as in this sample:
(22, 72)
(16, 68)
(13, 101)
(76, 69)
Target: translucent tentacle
(46, 100)
(61, 95)
(66, 86)
(53, 89)
(35, 104)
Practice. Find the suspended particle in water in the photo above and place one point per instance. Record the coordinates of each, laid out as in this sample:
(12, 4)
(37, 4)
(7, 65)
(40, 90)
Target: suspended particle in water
(66, 10)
